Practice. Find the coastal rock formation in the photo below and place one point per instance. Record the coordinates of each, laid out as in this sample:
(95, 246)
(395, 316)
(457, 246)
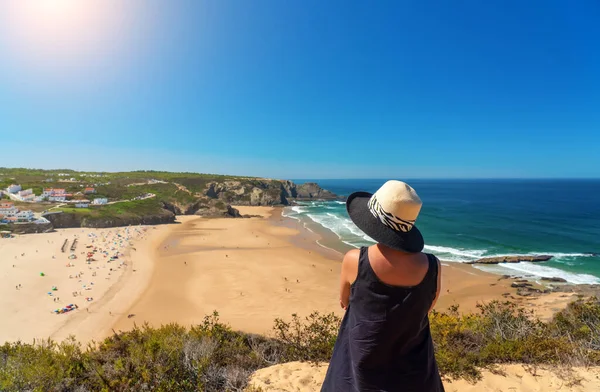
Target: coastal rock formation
(554, 279)
(62, 220)
(29, 228)
(511, 259)
(312, 190)
(264, 192)
(214, 208)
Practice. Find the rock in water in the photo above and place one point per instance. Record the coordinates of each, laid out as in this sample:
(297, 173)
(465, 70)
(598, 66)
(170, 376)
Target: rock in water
(554, 279)
(312, 190)
(511, 259)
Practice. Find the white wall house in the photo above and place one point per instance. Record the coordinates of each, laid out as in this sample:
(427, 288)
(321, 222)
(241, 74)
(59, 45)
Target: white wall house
(14, 188)
(100, 201)
(53, 192)
(9, 212)
(25, 216)
(26, 195)
(57, 198)
(27, 198)
(82, 205)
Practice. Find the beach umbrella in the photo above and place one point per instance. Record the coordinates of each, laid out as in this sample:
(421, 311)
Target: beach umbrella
(42, 274)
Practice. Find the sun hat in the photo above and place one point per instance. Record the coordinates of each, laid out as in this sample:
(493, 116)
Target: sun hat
(388, 216)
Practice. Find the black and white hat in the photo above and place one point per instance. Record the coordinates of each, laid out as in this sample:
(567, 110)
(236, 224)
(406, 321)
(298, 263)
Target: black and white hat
(389, 215)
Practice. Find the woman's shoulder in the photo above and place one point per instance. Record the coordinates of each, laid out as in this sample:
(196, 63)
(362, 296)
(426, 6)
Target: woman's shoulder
(350, 265)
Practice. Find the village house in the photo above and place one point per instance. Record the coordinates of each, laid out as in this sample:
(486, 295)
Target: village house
(8, 209)
(88, 191)
(25, 216)
(81, 203)
(55, 194)
(57, 198)
(26, 195)
(100, 201)
(14, 188)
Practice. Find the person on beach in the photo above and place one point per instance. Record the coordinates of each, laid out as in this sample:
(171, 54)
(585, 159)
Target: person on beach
(384, 342)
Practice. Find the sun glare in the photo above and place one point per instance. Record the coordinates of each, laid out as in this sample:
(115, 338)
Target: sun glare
(64, 35)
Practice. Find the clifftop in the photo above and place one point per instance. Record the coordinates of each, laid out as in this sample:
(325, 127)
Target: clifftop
(149, 196)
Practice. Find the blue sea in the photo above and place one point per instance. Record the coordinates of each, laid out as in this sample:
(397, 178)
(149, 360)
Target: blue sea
(463, 220)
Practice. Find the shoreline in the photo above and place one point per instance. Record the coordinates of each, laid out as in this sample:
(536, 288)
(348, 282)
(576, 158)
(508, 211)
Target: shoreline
(250, 270)
(245, 269)
(463, 284)
(254, 270)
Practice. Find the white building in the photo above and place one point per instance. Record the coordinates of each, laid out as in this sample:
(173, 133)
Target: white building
(100, 201)
(14, 188)
(8, 210)
(27, 198)
(25, 216)
(26, 192)
(53, 192)
(57, 198)
(39, 199)
(82, 204)
(26, 195)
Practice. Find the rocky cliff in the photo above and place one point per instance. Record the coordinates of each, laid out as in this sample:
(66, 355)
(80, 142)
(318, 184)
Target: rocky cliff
(61, 220)
(29, 228)
(312, 190)
(262, 192)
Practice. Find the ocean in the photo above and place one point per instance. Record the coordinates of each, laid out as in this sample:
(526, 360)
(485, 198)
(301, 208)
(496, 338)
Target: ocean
(463, 220)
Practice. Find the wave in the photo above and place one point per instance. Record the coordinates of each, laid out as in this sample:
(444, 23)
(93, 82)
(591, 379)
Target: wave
(468, 253)
(343, 228)
(545, 271)
(564, 255)
(350, 234)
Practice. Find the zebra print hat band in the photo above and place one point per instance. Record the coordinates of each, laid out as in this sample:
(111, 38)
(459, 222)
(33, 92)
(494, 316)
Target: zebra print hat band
(390, 220)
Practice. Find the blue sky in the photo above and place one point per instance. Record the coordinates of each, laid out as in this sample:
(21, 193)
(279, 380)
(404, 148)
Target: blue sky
(304, 89)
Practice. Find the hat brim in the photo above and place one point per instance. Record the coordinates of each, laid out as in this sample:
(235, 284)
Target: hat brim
(358, 209)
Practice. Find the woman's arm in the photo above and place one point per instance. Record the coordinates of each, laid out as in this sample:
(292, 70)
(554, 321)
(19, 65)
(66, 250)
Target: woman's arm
(348, 276)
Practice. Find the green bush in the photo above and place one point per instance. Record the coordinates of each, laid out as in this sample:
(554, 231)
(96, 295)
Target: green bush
(311, 339)
(213, 357)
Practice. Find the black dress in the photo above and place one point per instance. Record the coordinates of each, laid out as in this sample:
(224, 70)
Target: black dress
(384, 343)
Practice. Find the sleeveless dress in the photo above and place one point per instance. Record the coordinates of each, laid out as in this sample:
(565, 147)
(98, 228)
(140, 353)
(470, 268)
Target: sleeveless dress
(384, 342)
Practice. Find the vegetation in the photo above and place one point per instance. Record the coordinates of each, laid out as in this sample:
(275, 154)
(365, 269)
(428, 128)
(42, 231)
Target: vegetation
(213, 357)
(121, 210)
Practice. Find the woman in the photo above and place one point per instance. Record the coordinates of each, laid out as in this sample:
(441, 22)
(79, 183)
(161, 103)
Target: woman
(387, 290)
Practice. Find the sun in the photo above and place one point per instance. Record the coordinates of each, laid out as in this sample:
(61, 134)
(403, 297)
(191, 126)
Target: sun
(59, 34)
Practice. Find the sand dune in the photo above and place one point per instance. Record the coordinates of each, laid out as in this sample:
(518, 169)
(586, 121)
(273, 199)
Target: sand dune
(304, 377)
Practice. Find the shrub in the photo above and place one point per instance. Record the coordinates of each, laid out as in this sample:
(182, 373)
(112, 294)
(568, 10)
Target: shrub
(311, 339)
(213, 357)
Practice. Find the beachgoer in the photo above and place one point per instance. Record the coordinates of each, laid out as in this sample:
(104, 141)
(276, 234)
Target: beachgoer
(384, 342)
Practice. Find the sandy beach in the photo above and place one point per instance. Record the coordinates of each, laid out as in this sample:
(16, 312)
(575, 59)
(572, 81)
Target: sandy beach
(251, 271)
(255, 270)
(38, 278)
(305, 377)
